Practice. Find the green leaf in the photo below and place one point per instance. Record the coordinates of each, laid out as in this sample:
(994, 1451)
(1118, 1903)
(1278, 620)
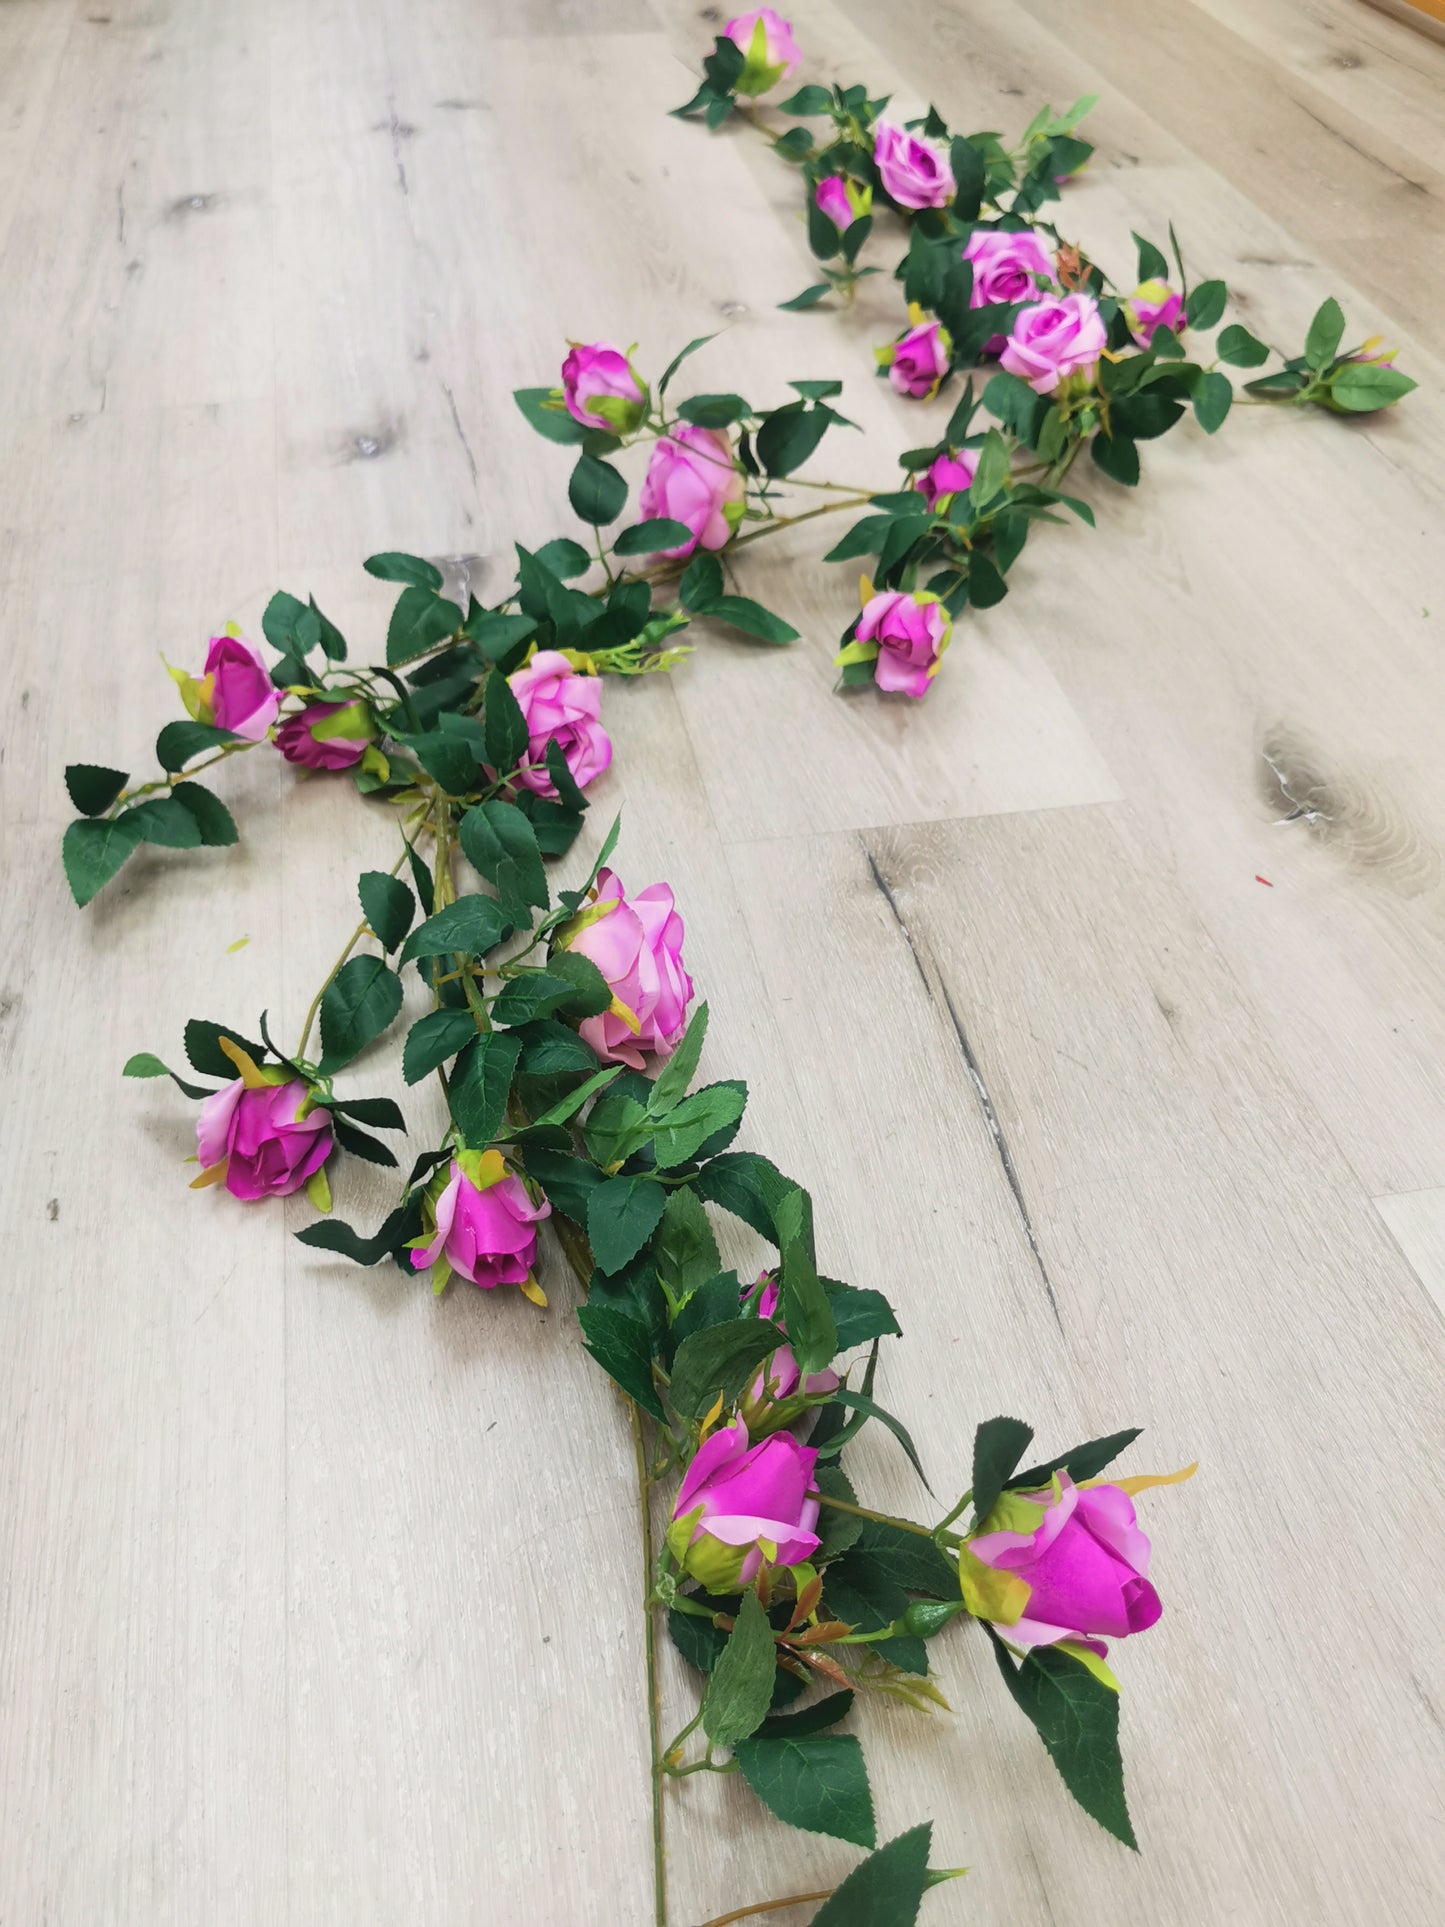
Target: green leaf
(998, 1445)
(287, 624)
(619, 1345)
(360, 1002)
(751, 617)
(163, 821)
(381, 1112)
(333, 643)
(748, 1185)
(504, 724)
(809, 298)
(388, 904)
(720, 1359)
(481, 1084)
(1240, 348)
(1082, 1462)
(533, 993)
(1213, 398)
(574, 1100)
(597, 491)
(419, 622)
(203, 1048)
(93, 788)
(861, 1316)
(471, 925)
(146, 1064)
(1077, 1717)
(622, 1215)
(992, 471)
(178, 742)
(702, 582)
(433, 1039)
(679, 358)
(815, 1781)
(1361, 387)
(1152, 264)
(823, 236)
(649, 538)
(864, 1593)
(803, 1303)
(501, 845)
(564, 557)
(1326, 331)
(549, 1049)
(811, 99)
(330, 1234)
(684, 1248)
(681, 1134)
(789, 435)
(970, 173)
(547, 413)
(712, 411)
(677, 1073)
(860, 1402)
(617, 1128)
(1118, 456)
(887, 1889)
(392, 566)
(740, 1687)
(908, 1559)
(497, 635)
(215, 823)
(359, 1143)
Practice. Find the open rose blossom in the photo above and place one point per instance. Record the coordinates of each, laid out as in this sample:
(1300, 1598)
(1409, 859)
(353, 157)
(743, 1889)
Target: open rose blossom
(327, 735)
(946, 475)
(693, 479)
(918, 361)
(268, 1146)
(1054, 338)
(779, 1378)
(235, 691)
(915, 171)
(560, 706)
(1006, 267)
(770, 51)
(636, 942)
(602, 389)
(1153, 304)
(486, 1225)
(910, 634)
(1083, 1558)
(741, 1506)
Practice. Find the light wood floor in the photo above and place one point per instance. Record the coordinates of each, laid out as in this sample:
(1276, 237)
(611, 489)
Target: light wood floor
(319, 1596)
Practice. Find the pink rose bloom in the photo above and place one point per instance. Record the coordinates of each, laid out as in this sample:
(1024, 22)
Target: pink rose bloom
(1052, 339)
(693, 479)
(741, 1506)
(831, 196)
(242, 697)
(560, 707)
(915, 171)
(1005, 265)
(488, 1235)
(327, 735)
(779, 1377)
(948, 474)
(1084, 1559)
(912, 632)
(602, 389)
(767, 41)
(1153, 304)
(920, 360)
(637, 945)
(269, 1149)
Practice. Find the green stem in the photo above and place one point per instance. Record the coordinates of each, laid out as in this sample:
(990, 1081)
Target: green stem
(793, 521)
(352, 941)
(768, 1907)
(888, 1519)
(644, 1510)
(169, 781)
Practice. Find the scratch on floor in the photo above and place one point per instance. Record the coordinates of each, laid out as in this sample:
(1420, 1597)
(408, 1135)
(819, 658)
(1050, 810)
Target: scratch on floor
(461, 432)
(120, 212)
(398, 133)
(976, 1078)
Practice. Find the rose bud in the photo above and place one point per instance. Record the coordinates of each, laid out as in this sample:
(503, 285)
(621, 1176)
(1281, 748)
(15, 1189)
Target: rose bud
(327, 735)
(1006, 266)
(947, 475)
(1053, 339)
(602, 389)
(268, 1136)
(740, 1507)
(693, 479)
(1153, 304)
(779, 1378)
(234, 691)
(485, 1226)
(915, 171)
(918, 361)
(1082, 1562)
(842, 200)
(636, 943)
(903, 636)
(560, 707)
(770, 51)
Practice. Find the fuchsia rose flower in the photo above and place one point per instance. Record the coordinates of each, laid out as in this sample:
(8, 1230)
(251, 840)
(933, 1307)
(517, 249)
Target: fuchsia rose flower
(779, 1377)
(560, 706)
(831, 197)
(268, 1146)
(740, 1507)
(1153, 304)
(602, 389)
(1006, 267)
(236, 691)
(486, 1224)
(770, 49)
(947, 474)
(1083, 1557)
(918, 361)
(636, 942)
(327, 735)
(915, 171)
(1053, 339)
(909, 634)
(693, 479)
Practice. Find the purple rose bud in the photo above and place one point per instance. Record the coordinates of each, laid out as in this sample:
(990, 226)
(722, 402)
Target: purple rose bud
(780, 1377)
(741, 1507)
(236, 690)
(915, 171)
(559, 706)
(602, 389)
(918, 361)
(636, 942)
(947, 475)
(905, 636)
(1053, 339)
(1153, 304)
(327, 735)
(270, 1139)
(485, 1225)
(693, 479)
(770, 51)
(831, 197)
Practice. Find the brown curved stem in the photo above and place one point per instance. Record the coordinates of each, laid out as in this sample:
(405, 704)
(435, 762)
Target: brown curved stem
(768, 1907)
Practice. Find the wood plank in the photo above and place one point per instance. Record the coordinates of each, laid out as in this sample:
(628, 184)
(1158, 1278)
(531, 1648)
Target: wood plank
(1417, 1224)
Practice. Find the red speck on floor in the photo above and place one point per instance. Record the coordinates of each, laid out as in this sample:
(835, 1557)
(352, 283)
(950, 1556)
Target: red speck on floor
(1265, 881)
